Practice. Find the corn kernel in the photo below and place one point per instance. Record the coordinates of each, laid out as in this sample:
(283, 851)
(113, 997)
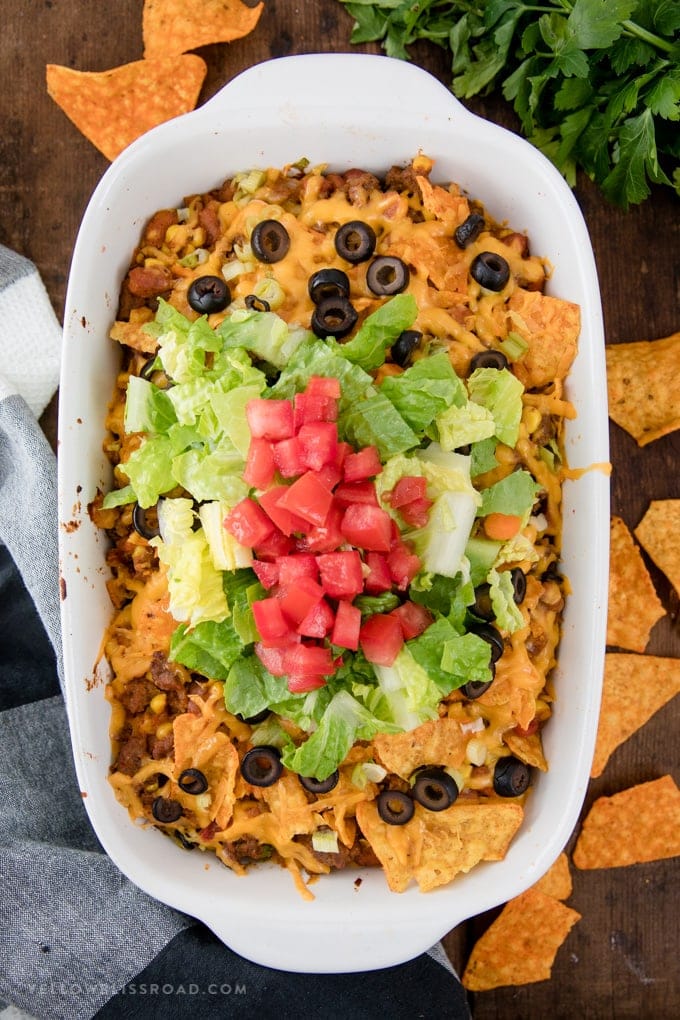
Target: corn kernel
(157, 703)
(531, 417)
(163, 730)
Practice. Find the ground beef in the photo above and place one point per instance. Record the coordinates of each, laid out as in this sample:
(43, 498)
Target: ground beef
(165, 676)
(162, 747)
(359, 184)
(149, 281)
(157, 227)
(402, 179)
(137, 695)
(131, 755)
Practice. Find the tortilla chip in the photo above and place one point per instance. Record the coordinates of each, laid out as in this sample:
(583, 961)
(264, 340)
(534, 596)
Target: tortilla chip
(436, 742)
(557, 880)
(550, 326)
(659, 534)
(519, 948)
(643, 384)
(175, 26)
(435, 846)
(634, 606)
(113, 108)
(635, 687)
(528, 748)
(639, 824)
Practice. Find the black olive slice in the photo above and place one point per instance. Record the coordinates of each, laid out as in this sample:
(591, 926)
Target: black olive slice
(185, 843)
(489, 359)
(469, 230)
(145, 521)
(355, 241)
(490, 270)
(334, 317)
(270, 241)
(328, 283)
(148, 369)
(474, 689)
(404, 346)
(395, 807)
(387, 275)
(435, 789)
(320, 785)
(257, 304)
(166, 810)
(253, 720)
(192, 781)
(519, 584)
(208, 294)
(482, 606)
(261, 766)
(492, 636)
(510, 777)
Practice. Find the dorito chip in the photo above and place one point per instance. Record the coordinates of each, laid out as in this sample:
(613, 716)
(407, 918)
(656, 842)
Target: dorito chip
(436, 742)
(634, 606)
(635, 687)
(557, 880)
(659, 534)
(520, 946)
(639, 824)
(113, 108)
(175, 26)
(643, 385)
(435, 846)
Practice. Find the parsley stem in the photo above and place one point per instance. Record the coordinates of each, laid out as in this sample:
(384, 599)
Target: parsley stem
(654, 40)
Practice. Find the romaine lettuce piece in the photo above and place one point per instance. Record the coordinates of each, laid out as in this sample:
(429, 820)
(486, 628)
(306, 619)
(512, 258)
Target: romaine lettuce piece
(425, 390)
(506, 610)
(515, 494)
(500, 392)
(379, 331)
(147, 407)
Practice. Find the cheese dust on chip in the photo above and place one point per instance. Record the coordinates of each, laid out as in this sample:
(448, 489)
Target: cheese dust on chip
(520, 946)
(113, 108)
(434, 847)
(557, 880)
(659, 534)
(635, 687)
(176, 26)
(636, 825)
(634, 607)
(643, 385)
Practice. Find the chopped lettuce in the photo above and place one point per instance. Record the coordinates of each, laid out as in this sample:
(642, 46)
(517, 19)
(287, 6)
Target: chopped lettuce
(506, 610)
(226, 552)
(149, 470)
(500, 392)
(515, 494)
(466, 657)
(147, 407)
(459, 426)
(410, 694)
(264, 334)
(483, 457)
(425, 390)
(378, 332)
(375, 421)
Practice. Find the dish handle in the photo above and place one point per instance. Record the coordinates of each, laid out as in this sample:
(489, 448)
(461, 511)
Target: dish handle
(351, 82)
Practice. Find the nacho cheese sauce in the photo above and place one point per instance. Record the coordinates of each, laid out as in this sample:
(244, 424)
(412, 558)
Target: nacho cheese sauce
(167, 717)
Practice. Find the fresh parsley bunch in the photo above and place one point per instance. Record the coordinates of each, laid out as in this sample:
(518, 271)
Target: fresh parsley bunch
(595, 83)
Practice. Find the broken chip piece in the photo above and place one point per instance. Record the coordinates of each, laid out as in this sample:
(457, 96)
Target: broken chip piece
(634, 607)
(557, 880)
(642, 386)
(520, 946)
(113, 108)
(174, 26)
(635, 687)
(641, 823)
(659, 534)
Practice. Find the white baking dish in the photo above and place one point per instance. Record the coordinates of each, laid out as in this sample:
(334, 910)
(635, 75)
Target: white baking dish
(348, 111)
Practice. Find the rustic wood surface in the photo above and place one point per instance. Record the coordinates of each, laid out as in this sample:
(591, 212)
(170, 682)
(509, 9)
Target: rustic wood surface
(621, 959)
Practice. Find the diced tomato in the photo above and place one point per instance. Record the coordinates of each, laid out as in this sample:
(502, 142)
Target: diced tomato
(379, 579)
(318, 621)
(347, 625)
(286, 521)
(413, 618)
(362, 464)
(403, 565)
(248, 523)
(298, 598)
(323, 386)
(270, 419)
(267, 573)
(260, 465)
(341, 574)
(417, 512)
(269, 619)
(288, 458)
(341, 454)
(291, 568)
(308, 497)
(275, 545)
(325, 537)
(272, 659)
(330, 475)
(528, 731)
(312, 407)
(318, 443)
(304, 682)
(356, 492)
(381, 639)
(408, 488)
(367, 527)
(305, 659)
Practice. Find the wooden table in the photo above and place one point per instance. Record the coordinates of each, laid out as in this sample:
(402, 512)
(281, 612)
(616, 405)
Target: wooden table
(621, 959)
